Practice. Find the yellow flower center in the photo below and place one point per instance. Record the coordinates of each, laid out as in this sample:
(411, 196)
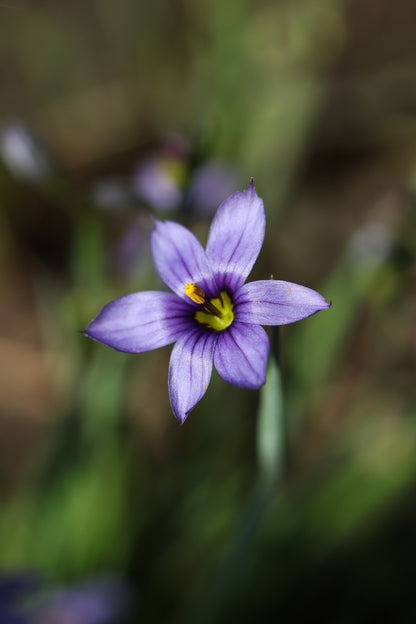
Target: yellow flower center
(174, 169)
(216, 313)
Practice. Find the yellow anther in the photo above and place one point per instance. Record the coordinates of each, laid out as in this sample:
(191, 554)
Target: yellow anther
(211, 309)
(195, 293)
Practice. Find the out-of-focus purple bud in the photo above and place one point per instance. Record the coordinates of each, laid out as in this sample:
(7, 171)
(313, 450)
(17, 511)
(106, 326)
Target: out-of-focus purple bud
(159, 181)
(99, 601)
(211, 182)
(22, 154)
(110, 195)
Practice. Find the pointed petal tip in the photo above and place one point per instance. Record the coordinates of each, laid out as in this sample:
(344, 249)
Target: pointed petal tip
(322, 306)
(87, 332)
(251, 188)
(158, 223)
(161, 225)
(180, 419)
(325, 305)
(181, 415)
(155, 220)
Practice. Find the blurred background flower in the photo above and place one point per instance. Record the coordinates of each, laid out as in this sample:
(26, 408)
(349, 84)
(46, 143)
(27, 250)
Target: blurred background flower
(104, 600)
(212, 182)
(22, 154)
(317, 102)
(160, 177)
(13, 589)
(24, 599)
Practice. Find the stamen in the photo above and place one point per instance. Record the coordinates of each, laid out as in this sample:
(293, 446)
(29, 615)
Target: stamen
(195, 293)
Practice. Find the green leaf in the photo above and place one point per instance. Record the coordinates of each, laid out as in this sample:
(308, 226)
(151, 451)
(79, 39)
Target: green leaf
(270, 425)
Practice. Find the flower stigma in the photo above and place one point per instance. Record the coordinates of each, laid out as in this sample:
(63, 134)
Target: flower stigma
(217, 313)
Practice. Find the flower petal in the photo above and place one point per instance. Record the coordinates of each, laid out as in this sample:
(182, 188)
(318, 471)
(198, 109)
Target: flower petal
(180, 259)
(270, 302)
(241, 355)
(141, 322)
(235, 238)
(190, 370)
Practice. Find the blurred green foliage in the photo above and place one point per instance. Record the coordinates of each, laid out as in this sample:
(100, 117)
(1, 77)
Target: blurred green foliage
(317, 102)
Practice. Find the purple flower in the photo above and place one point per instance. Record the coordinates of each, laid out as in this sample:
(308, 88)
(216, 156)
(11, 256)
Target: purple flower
(160, 178)
(212, 315)
(101, 600)
(158, 182)
(98, 601)
(13, 589)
